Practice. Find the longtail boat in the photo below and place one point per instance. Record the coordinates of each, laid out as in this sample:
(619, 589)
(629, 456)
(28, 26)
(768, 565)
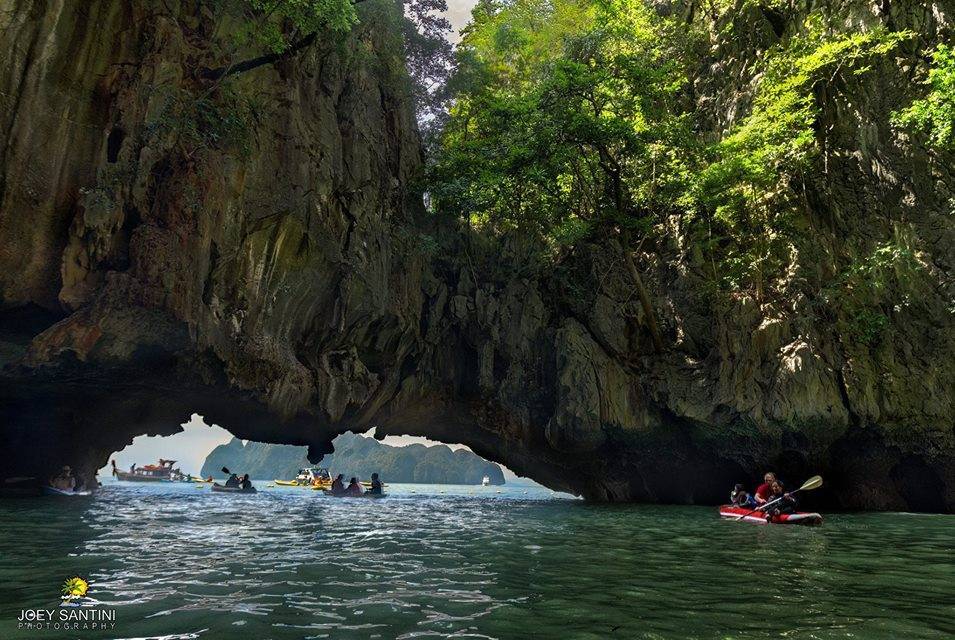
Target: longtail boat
(162, 472)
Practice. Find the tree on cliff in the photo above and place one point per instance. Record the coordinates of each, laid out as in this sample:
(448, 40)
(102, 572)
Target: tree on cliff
(283, 28)
(578, 121)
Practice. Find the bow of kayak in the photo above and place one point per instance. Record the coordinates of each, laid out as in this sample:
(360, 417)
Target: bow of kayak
(731, 512)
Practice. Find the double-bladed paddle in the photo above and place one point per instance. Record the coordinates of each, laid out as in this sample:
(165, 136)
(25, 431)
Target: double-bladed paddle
(812, 483)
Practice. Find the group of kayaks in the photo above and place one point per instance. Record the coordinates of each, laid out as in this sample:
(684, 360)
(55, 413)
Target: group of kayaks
(219, 488)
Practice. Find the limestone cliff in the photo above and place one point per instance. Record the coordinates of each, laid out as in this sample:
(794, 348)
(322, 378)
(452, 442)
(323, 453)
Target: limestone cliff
(356, 456)
(253, 251)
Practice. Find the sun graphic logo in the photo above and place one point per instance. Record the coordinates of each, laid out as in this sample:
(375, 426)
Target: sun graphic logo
(75, 588)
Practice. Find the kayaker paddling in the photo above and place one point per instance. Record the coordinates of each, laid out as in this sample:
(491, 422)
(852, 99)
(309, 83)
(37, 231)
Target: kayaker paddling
(785, 513)
(376, 485)
(353, 488)
(780, 502)
(64, 481)
(338, 485)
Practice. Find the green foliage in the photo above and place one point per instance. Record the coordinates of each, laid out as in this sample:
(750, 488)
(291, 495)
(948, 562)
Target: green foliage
(890, 277)
(275, 24)
(748, 181)
(223, 119)
(935, 114)
(574, 118)
(566, 118)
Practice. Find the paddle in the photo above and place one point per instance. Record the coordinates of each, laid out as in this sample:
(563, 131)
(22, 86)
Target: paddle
(812, 483)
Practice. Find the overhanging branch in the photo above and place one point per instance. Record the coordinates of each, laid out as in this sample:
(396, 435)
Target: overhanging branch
(253, 63)
(271, 58)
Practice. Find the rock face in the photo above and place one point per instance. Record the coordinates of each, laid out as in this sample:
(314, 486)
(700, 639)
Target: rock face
(356, 456)
(253, 250)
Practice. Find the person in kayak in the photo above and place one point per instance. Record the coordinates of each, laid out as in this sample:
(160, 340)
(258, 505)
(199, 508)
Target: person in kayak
(233, 481)
(376, 486)
(765, 490)
(246, 483)
(786, 502)
(64, 480)
(338, 485)
(741, 498)
(353, 488)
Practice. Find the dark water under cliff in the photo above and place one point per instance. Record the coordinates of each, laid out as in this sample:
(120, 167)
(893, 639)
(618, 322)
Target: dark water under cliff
(175, 561)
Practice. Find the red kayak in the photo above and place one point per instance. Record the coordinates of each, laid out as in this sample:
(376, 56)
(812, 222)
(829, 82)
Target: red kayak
(731, 512)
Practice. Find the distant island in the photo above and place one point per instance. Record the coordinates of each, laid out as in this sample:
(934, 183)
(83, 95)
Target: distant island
(356, 456)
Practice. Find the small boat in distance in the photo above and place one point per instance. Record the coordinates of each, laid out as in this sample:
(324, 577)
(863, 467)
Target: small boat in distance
(162, 472)
(485, 481)
(315, 477)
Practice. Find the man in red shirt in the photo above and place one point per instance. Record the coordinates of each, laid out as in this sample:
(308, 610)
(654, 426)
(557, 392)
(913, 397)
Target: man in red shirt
(765, 490)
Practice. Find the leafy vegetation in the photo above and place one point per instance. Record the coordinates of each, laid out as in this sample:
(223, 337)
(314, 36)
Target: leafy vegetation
(221, 119)
(275, 25)
(576, 120)
(935, 114)
(883, 281)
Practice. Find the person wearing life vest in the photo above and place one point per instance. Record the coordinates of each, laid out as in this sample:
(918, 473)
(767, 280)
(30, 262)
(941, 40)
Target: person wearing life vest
(338, 485)
(782, 502)
(353, 488)
(233, 481)
(741, 498)
(245, 483)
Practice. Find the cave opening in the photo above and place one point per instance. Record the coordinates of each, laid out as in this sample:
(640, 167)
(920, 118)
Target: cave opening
(200, 451)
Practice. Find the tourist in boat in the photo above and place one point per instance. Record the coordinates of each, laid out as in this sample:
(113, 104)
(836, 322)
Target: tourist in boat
(376, 486)
(765, 490)
(64, 480)
(741, 498)
(233, 481)
(338, 486)
(246, 483)
(782, 502)
(353, 488)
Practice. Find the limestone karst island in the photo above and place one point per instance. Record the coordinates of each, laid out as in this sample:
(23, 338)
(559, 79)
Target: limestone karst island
(498, 319)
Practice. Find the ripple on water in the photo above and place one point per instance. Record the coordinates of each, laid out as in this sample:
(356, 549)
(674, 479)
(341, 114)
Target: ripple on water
(182, 563)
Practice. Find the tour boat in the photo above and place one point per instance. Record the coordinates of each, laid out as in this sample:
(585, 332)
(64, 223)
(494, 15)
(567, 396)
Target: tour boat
(732, 512)
(485, 481)
(162, 472)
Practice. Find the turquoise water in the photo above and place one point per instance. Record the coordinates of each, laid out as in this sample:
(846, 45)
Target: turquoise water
(174, 561)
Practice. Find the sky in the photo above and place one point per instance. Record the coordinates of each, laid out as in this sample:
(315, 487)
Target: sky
(459, 13)
(191, 446)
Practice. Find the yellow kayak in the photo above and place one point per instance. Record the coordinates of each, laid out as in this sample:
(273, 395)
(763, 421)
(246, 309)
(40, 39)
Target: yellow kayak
(288, 483)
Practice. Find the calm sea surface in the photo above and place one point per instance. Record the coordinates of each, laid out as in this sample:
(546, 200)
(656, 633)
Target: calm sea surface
(174, 561)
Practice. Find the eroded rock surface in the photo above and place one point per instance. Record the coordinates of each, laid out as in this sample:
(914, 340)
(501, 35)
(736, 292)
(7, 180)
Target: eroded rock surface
(273, 270)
